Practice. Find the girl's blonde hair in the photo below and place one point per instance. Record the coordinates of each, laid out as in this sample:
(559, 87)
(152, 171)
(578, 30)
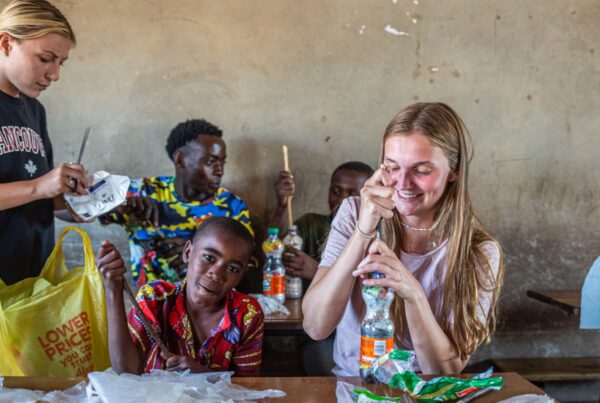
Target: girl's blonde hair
(456, 222)
(30, 19)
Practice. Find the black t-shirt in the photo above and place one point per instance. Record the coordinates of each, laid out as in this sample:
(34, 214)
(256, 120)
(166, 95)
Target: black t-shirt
(27, 231)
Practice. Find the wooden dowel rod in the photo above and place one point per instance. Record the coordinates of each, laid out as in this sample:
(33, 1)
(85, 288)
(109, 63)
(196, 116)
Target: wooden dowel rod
(286, 166)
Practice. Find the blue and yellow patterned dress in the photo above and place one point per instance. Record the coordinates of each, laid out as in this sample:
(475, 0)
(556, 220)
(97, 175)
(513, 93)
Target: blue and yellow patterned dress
(177, 219)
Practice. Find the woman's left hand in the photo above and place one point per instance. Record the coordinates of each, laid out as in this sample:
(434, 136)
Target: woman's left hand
(183, 363)
(397, 277)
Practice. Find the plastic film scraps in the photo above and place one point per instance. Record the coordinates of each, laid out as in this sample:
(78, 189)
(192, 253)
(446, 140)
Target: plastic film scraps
(393, 369)
(158, 386)
(270, 305)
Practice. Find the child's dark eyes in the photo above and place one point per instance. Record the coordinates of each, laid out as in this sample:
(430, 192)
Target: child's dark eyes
(233, 269)
(208, 258)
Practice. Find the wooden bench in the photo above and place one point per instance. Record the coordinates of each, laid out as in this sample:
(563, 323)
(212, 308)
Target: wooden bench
(552, 369)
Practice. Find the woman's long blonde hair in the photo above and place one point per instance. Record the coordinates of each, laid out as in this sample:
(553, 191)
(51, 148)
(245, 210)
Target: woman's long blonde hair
(454, 221)
(30, 19)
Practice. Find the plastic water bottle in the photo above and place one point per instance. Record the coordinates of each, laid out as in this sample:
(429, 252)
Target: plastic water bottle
(273, 272)
(293, 285)
(376, 329)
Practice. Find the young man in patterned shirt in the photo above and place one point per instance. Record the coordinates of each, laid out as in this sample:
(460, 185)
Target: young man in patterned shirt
(205, 324)
(163, 212)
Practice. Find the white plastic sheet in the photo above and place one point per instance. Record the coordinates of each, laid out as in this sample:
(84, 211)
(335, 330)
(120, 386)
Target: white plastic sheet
(76, 394)
(158, 386)
(166, 386)
(270, 305)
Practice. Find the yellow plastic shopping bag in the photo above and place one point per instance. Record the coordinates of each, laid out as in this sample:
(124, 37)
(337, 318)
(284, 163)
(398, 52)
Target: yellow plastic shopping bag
(55, 324)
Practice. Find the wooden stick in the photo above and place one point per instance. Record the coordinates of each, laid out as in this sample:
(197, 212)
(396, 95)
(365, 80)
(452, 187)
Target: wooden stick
(145, 322)
(286, 162)
(286, 166)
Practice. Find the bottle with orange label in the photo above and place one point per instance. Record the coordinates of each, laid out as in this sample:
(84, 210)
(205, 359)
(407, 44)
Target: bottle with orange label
(273, 272)
(377, 329)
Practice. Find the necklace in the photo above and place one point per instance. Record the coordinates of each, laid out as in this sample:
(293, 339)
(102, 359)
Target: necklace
(416, 228)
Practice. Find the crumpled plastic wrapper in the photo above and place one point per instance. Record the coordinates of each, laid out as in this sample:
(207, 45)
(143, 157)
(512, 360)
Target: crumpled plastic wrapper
(157, 386)
(394, 370)
(344, 392)
(388, 365)
(106, 193)
(270, 305)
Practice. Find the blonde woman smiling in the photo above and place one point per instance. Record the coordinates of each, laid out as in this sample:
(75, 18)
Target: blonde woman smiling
(446, 271)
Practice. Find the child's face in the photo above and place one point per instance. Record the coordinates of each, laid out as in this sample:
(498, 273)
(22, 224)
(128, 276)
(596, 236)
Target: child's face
(216, 263)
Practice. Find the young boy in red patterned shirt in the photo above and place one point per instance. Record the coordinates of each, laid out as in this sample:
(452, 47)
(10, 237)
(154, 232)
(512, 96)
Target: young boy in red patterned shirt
(205, 323)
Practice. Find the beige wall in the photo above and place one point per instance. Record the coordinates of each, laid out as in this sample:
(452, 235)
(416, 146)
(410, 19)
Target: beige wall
(325, 78)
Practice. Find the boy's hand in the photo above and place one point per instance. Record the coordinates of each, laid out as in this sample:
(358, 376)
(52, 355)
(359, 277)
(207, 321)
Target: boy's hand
(182, 363)
(284, 187)
(299, 264)
(142, 209)
(111, 267)
(173, 248)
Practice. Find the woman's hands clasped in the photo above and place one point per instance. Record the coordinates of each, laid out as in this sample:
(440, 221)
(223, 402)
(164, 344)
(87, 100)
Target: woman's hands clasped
(382, 259)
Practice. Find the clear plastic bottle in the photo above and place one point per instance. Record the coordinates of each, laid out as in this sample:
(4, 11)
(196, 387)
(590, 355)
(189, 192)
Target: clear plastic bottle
(273, 272)
(293, 285)
(377, 329)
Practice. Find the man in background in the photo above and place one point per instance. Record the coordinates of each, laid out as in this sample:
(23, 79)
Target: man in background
(163, 212)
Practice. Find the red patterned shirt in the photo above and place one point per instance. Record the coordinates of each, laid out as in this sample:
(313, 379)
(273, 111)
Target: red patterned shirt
(235, 344)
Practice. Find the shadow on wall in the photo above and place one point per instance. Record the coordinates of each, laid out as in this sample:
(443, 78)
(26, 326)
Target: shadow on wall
(246, 162)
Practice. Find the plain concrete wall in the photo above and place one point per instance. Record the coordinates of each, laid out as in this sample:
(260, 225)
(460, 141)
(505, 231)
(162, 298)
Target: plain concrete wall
(324, 77)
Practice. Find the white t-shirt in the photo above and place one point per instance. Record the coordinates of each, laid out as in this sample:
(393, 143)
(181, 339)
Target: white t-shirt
(428, 269)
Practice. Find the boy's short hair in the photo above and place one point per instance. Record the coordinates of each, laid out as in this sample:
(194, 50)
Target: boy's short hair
(228, 224)
(188, 131)
(355, 166)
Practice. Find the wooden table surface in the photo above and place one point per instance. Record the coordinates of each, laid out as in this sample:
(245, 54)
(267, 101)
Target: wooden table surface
(291, 322)
(322, 389)
(568, 300)
(298, 389)
(552, 369)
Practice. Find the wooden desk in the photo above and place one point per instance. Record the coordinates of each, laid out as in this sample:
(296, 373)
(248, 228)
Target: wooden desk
(567, 300)
(299, 389)
(552, 369)
(292, 322)
(322, 389)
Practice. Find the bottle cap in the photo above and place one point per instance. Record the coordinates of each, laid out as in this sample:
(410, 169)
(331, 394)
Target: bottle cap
(272, 231)
(293, 228)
